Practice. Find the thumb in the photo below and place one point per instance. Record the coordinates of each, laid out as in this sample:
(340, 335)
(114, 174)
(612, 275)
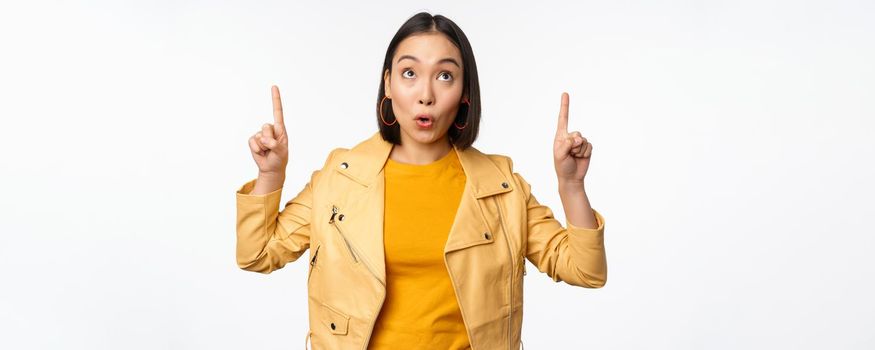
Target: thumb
(565, 145)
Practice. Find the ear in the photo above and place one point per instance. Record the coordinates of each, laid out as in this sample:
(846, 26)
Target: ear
(386, 84)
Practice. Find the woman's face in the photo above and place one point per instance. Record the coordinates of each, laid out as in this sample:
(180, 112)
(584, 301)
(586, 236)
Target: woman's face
(426, 79)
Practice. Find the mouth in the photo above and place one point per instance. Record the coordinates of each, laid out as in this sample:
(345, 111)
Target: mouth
(424, 121)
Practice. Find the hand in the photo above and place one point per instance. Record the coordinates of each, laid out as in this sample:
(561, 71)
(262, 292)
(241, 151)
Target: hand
(270, 146)
(571, 151)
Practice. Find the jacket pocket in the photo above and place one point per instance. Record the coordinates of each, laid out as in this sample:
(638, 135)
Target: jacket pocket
(336, 321)
(518, 281)
(313, 260)
(335, 220)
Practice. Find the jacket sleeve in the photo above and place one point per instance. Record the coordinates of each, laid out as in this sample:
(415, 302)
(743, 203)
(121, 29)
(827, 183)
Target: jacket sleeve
(575, 255)
(268, 239)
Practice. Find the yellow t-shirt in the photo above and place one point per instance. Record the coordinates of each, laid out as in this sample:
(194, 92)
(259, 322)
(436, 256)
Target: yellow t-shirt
(420, 310)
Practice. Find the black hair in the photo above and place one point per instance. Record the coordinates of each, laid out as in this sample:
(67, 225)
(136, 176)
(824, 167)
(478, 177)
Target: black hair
(468, 114)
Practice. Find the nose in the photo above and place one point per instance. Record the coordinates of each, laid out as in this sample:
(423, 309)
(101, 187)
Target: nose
(427, 98)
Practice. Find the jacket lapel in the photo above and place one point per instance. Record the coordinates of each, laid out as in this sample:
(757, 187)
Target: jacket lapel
(475, 219)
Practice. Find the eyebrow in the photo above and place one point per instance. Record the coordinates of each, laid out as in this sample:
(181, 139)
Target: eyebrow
(448, 59)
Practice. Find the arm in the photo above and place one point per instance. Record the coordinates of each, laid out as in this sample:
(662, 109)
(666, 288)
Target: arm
(267, 239)
(576, 205)
(575, 255)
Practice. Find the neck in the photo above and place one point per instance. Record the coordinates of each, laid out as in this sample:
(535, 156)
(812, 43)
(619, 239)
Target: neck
(411, 152)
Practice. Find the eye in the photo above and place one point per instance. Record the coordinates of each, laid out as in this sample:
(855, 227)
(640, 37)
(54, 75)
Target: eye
(447, 74)
(405, 71)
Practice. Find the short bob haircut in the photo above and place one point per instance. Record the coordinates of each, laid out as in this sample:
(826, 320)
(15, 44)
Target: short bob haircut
(424, 22)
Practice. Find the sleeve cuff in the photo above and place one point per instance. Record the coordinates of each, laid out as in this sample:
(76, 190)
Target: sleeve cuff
(244, 196)
(600, 221)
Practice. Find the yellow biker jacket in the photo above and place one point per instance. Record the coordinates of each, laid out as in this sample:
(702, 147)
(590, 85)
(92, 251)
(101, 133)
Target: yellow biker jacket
(338, 216)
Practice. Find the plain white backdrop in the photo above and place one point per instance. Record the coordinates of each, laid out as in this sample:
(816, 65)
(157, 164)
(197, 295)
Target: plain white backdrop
(732, 161)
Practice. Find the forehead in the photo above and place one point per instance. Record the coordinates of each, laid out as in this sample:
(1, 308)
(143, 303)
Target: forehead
(428, 48)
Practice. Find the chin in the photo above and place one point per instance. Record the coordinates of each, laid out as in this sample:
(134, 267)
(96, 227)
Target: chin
(425, 136)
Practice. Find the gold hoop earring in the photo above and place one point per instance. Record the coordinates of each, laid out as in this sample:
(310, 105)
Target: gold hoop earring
(466, 119)
(381, 113)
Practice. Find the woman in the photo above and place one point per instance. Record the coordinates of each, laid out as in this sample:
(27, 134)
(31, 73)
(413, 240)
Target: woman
(417, 239)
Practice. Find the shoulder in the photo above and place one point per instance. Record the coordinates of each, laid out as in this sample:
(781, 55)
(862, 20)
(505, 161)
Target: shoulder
(333, 157)
(505, 164)
(502, 161)
(335, 153)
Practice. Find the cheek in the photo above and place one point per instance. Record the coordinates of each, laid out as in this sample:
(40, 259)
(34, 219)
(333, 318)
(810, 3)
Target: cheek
(449, 102)
(402, 91)
(401, 102)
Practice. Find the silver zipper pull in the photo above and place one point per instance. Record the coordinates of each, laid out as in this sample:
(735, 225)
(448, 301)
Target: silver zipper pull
(316, 253)
(333, 213)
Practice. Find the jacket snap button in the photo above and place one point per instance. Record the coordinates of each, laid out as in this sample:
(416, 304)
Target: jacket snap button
(340, 217)
(344, 165)
(333, 326)
(505, 185)
(486, 235)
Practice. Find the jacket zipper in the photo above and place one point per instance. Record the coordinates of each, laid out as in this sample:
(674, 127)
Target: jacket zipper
(374, 320)
(456, 292)
(512, 272)
(523, 265)
(354, 253)
(313, 261)
(348, 246)
(312, 266)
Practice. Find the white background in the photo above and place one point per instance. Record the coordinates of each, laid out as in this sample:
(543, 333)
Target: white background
(732, 161)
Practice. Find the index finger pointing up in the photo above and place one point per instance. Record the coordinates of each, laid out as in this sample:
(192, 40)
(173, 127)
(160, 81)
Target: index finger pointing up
(277, 106)
(562, 127)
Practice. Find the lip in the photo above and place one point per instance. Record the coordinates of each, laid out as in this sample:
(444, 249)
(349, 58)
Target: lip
(427, 124)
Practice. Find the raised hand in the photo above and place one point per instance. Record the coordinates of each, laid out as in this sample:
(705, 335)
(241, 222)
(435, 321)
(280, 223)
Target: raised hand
(270, 145)
(571, 151)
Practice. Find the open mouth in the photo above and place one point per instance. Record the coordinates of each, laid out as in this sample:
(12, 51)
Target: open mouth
(424, 121)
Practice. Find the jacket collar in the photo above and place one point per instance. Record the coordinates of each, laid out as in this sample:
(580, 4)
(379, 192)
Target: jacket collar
(365, 161)
(475, 218)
